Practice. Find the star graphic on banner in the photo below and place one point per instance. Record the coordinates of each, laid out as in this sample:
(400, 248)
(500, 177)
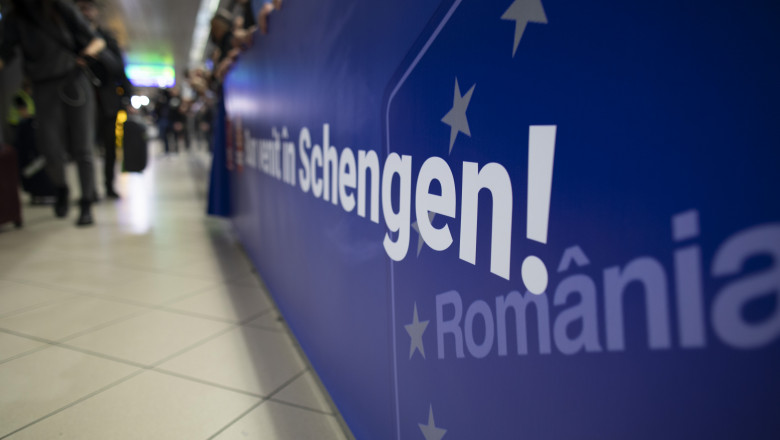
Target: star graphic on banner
(456, 117)
(430, 431)
(522, 12)
(416, 330)
(416, 227)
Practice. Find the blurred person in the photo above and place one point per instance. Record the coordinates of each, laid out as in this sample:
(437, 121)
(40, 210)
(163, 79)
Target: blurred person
(229, 39)
(200, 107)
(204, 119)
(56, 44)
(14, 113)
(175, 120)
(32, 163)
(264, 9)
(180, 109)
(109, 100)
(247, 18)
(162, 111)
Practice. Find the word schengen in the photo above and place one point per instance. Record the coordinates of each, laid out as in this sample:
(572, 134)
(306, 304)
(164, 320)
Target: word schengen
(357, 182)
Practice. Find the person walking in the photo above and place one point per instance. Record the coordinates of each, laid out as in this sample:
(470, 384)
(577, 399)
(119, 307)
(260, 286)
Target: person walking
(109, 102)
(56, 44)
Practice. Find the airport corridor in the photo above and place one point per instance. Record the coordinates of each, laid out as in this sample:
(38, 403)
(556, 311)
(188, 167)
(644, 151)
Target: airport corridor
(150, 324)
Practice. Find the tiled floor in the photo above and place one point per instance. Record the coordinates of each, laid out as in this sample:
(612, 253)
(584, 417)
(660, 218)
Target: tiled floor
(149, 325)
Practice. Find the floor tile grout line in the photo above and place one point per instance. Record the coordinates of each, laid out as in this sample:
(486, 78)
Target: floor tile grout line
(124, 265)
(198, 315)
(251, 318)
(233, 281)
(302, 355)
(161, 306)
(210, 317)
(244, 414)
(23, 354)
(61, 289)
(141, 368)
(66, 289)
(233, 422)
(103, 356)
(154, 367)
(52, 286)
(226, 330)
(47, 343)
(27, 336)
(37, 306)
(77, 401)
(261, 327)
(299, 406)
(104, 325)
(147, 309)
(206, 382)
(288, 382)
(63, 342)
(150, 366)
(120, 300)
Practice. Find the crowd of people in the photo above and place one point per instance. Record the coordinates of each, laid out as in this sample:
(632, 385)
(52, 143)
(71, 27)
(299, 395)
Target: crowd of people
(184, 113)
(75, 86)
(61, 56)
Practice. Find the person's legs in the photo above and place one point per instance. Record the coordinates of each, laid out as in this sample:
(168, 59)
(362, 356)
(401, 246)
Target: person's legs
(108, 138)
(80, 120)
(162, 129)
(50, 139)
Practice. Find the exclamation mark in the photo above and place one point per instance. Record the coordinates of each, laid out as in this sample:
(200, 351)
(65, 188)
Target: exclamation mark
(541, 152)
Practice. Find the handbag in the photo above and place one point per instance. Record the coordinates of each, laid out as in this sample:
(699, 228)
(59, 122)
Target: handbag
(105, 68)
(100, 69)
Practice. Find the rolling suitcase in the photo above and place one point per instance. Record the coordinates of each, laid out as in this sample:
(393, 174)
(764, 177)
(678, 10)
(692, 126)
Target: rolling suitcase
(134, 146)
(10, 208)
(32, 164)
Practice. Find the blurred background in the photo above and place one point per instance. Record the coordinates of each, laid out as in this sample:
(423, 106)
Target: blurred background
(161, 40)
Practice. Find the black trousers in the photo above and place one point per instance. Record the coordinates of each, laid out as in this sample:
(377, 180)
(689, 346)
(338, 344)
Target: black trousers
(107, 138)
(65, 110)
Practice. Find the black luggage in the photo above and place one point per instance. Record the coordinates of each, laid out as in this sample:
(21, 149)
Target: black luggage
(10, 208)
(32, 164)
(134, 146)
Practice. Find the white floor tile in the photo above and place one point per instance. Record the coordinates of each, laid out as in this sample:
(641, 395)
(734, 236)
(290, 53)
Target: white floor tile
(148, 338)
(62, 319)
(273, 420)
(149, 406)
(162, 283)
(60, 272)
(225, 301)
(304, 391)
(248, 359)
(21, 260)
(15, 296)
(156, 289)
(214, 269)
(157, 258)
(11, 345)
(35, 385)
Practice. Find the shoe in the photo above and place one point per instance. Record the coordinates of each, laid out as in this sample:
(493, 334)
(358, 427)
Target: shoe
(85, 216)
(61, 205)
(111, 194)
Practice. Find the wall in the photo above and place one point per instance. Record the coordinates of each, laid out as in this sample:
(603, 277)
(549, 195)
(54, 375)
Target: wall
(576, 232)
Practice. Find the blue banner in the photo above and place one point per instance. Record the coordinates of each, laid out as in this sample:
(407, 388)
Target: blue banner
(521, 219)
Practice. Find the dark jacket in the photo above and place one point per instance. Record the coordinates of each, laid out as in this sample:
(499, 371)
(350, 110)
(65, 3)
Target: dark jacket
(50, 33)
